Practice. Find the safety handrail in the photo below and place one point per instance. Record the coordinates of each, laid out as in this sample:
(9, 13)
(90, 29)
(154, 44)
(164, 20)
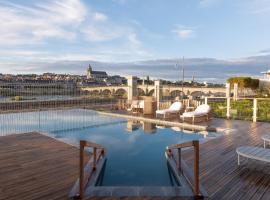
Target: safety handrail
(95, 156)
(182, 167)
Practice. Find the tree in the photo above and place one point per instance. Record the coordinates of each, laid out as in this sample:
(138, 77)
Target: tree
(244, 82)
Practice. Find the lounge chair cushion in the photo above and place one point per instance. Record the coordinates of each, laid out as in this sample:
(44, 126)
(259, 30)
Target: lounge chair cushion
(162, 112)
(177, 106)
(200, 111)
(174, 108)
(189, 114)
(204, 108)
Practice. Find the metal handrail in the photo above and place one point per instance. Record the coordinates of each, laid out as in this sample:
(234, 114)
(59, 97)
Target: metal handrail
(95, 157)
(195, 145)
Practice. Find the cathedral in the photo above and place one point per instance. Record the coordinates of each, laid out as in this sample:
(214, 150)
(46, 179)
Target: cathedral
(95, 75)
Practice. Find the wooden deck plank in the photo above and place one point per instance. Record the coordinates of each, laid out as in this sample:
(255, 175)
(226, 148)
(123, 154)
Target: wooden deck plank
(36, 167)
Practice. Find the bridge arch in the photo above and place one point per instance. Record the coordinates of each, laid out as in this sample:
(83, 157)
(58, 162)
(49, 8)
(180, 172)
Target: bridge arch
(177, 93)
(95, 92)
(140, 92)
(106, 92)
(151, 92)
(120, 92)
(197, 94)
(219, 94)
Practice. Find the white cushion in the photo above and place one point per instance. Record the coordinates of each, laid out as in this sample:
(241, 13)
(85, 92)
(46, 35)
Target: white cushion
(162, 112)
(194, 114)
(203, 109)
(189, 114)
(176, 106)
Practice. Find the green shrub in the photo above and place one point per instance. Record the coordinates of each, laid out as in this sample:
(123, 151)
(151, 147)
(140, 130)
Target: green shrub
(243, 110)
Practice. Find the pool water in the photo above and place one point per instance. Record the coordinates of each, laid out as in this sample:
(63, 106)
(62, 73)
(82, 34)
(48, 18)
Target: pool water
(135, 150)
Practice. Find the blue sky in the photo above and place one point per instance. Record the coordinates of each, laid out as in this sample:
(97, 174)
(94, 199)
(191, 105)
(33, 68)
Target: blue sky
(114, 31)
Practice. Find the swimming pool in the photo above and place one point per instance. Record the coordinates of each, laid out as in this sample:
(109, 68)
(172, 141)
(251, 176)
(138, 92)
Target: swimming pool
(135, 150)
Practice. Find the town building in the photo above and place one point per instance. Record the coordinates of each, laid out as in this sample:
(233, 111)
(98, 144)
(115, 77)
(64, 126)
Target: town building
(115, 80)
(96, 75)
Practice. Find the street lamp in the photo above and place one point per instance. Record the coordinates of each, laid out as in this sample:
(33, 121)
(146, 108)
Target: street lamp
(183, 75)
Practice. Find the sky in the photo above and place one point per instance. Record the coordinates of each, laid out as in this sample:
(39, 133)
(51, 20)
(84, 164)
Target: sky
(118, 35)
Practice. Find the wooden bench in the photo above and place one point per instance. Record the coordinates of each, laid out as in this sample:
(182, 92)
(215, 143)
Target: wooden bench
(255, 153)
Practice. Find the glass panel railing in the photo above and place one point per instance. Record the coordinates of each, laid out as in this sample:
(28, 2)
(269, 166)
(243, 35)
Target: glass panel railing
(218, 108)
(242, 109)
(263, 112)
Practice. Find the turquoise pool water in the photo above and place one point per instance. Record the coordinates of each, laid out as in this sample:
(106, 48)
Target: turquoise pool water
(135, 150)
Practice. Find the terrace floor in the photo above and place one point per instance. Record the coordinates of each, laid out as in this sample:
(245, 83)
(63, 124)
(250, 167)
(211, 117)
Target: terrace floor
(219, 173)
(33, 166)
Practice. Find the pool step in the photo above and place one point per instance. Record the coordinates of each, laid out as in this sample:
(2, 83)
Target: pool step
(136, 191)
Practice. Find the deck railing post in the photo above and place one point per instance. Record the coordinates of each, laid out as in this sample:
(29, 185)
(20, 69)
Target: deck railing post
(228, 106)
(254, 110)
(196, 167)
(179, 159)
(82, 145)
(95, 158)
(206, 100)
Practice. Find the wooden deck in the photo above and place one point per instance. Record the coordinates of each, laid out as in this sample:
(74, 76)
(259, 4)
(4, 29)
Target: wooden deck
(219, 173)
(33, 166)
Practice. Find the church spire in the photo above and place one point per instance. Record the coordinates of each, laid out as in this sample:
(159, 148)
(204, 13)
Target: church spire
(89, 71)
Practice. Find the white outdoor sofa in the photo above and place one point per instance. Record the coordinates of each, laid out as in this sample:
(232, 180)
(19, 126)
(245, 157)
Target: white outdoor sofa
(175, 108)
(200, 112)
(255, 153)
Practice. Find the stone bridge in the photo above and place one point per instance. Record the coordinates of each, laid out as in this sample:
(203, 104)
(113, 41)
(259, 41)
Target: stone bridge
(166, 90)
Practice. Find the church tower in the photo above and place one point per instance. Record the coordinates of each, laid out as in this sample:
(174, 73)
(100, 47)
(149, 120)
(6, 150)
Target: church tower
(89, 72)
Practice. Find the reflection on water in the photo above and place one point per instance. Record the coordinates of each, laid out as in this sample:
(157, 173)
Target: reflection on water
(133, 125)
(52, 121)
(135, 149)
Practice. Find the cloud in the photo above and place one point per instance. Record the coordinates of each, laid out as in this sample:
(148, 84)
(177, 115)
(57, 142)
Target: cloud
(49, 19)
(132, 37)
(184, 32)
(259, 7)
(264, 51)
(120, 1)
(47, 25)
(95, 33)
(206, 3)
(100, 17)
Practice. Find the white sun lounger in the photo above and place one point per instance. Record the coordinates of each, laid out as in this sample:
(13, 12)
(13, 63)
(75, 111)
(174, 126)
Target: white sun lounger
(175, 108)
(201, 111)
(255, 153)
(266, 138)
